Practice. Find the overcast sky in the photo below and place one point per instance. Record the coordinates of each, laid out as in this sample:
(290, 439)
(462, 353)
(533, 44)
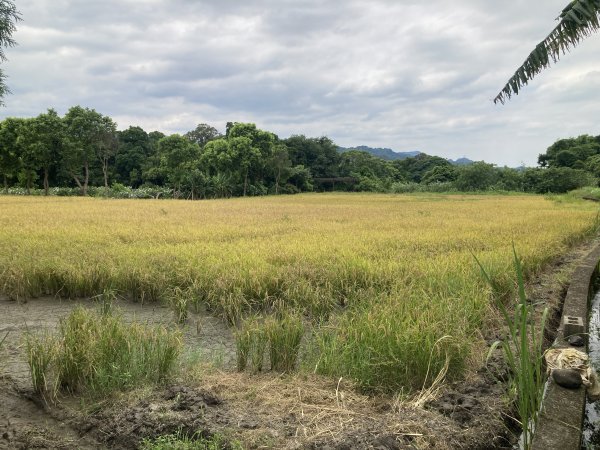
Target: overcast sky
(409, 75)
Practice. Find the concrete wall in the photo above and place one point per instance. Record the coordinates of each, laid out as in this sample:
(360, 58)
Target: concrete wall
(560, 422)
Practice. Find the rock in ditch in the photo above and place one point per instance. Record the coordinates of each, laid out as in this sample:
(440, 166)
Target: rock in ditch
(568, 378)
(576, 341)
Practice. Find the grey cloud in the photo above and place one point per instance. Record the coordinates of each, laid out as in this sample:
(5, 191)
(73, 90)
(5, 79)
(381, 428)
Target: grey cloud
(407, 75)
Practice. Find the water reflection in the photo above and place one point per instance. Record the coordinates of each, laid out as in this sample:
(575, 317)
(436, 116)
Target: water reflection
(591, 424)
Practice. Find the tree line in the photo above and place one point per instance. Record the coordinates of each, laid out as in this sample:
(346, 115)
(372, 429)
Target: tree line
(84, 149)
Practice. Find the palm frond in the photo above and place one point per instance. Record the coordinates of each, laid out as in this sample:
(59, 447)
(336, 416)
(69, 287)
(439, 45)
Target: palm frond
(577, 21)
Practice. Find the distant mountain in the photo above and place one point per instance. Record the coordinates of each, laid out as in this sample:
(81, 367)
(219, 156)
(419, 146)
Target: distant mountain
(383, 153)
(461, 161)
(391, 155)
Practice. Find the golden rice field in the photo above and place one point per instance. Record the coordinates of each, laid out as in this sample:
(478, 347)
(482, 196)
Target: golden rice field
(381, 278)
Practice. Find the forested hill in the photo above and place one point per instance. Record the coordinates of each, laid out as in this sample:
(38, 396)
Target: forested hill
(384, 153)
(461, 161)
(392, 155)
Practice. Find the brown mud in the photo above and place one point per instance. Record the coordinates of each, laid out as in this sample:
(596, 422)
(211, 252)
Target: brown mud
(259, 411)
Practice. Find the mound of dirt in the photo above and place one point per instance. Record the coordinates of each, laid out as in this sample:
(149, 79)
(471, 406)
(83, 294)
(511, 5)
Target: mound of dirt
(269, 411)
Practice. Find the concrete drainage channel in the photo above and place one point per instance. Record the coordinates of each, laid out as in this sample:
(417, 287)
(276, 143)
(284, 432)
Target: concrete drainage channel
(591, 425)
(561, 422)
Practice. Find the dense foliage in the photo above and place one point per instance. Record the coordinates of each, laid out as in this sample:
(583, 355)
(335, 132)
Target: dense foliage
(83, 153)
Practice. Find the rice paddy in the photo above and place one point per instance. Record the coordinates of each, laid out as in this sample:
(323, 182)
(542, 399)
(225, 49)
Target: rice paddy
(387, 284)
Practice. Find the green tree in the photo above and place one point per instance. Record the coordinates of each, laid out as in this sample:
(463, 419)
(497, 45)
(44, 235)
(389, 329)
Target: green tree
(556, 179)
(196, 181)
(374, 174)
(318, 155)
(42, 142)
(220, 184)
(216, 157)
(359, 163)
(242, 156)
(251, 148)
(28, 149)
(9, 16)
(300, 179)
(572, 152)
(202, 134)
(177, 155)
(107, 145)
(509, 179)
(592, 165)
(439, 174)
(10, 153)
(478, 176)
(153, 171)
(280, 165)
(86, 135)
(415, 168)
(577, 20)
(134, 150)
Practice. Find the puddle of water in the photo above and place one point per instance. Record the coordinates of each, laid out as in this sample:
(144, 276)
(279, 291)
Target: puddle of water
(206, 338)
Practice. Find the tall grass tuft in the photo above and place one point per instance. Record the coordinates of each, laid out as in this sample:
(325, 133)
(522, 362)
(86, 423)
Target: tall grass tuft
(41, 352)
(178, 299)
(523, 353)
(100, 353)
(106, 300)
(385, 350)
(284, 334)
(251, 343)
(281, 334)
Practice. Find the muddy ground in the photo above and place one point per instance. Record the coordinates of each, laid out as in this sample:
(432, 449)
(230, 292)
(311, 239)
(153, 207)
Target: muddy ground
(259, 411)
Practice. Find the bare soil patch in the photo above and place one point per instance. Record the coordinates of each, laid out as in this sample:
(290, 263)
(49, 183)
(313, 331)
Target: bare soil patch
(260, 411)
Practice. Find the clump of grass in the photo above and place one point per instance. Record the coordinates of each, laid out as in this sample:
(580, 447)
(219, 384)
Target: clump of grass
(523, 353)
(106, 300)
(285, 335)
(384, 348)
(281, 334)
(232, 304)
(178, 300)
(101, 353)
(181, 441)
(41, 352)
(251, 343)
